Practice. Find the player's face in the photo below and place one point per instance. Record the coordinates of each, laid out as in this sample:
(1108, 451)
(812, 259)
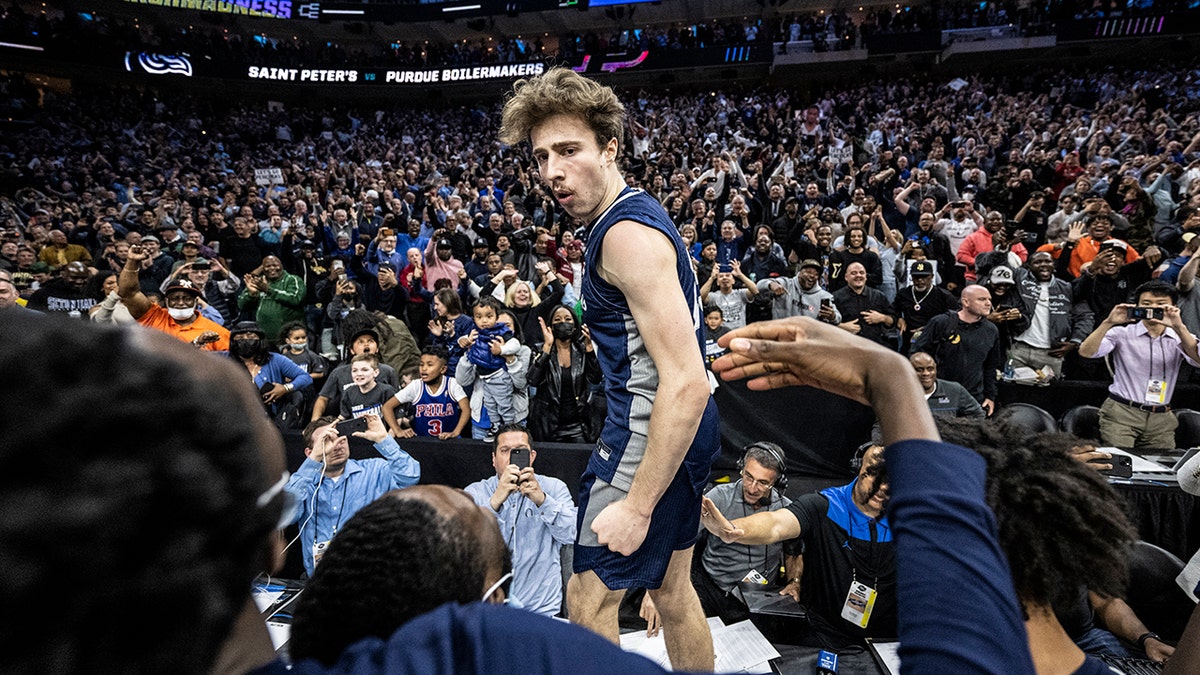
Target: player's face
(572, 165)
(431, 367)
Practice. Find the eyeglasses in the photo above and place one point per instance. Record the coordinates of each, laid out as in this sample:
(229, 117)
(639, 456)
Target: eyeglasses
(764, 484)
(290, 505)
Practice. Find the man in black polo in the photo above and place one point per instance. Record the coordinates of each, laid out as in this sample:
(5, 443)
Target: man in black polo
(865, 311)
(848, 551)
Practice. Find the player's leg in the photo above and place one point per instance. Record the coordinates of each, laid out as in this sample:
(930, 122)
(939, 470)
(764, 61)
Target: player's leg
(593, 605)
(689, 641)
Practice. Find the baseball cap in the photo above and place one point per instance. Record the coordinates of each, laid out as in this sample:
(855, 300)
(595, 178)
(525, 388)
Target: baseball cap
(374, 335)
(1001, 275)
(480, 243)
(444, 243)
(811, 263)
(308, 243)
(922, 268)
(182, 285)
(167, 226)
(39, 268)
(150, 237)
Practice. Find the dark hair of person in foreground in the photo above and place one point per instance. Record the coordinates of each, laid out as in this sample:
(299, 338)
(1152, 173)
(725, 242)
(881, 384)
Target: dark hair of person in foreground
(1060, 524)
(394, 560)
(128, 511)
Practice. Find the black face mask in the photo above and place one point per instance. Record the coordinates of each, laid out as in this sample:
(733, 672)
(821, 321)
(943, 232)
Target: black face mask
(563, 331)
(246, 349)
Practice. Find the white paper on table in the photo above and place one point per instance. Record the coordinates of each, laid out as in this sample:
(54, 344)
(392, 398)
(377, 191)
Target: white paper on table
(265, 599)
(889, 653)
(655, 648)
(280, 633)
(741, 648)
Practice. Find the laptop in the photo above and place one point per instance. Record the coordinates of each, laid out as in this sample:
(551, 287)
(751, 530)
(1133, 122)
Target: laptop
(760, 599)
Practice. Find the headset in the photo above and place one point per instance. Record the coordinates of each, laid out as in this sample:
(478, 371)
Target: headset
(774, 452)
(856, 462)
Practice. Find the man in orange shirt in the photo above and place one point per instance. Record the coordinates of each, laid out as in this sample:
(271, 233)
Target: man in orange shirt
(1083, 248)
(181, 317)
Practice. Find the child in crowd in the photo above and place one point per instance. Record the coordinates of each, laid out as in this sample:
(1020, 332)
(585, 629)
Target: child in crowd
(367, 396)
(294, 337)
(714, 328)
(440, 407)
(487, 345)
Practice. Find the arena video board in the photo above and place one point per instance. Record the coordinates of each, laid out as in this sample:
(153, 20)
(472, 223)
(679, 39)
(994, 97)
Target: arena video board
(184, 65)
(275, 9)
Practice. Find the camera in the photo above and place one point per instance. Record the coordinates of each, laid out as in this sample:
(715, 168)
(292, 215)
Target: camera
(1139, 313)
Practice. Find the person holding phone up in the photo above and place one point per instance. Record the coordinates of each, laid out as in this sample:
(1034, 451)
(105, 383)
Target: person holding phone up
(1147, 341)
(536, 516)
(329, 487)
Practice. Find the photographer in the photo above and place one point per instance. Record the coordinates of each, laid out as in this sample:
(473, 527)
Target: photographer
(536, 516)
(564, 372)
(1138, 413)
(326, 505)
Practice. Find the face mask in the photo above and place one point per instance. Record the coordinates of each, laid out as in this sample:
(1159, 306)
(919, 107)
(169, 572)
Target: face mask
(563, 331)
(297, 346)
(181, 313)
(245, 349)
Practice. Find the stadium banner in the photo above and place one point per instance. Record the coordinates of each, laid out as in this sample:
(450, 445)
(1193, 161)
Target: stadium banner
(274, 9)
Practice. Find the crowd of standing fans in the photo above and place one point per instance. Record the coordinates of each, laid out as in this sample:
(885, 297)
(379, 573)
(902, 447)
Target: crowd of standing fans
(1015, 213)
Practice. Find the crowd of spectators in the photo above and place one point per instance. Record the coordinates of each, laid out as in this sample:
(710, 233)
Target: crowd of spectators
(860, 204)
(88, 34)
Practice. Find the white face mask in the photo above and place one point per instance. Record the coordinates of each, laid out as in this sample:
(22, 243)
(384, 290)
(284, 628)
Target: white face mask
(297, 346)
(181, 313)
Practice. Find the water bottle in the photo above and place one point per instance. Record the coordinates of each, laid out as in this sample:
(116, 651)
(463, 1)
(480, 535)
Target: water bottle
(1010, 370)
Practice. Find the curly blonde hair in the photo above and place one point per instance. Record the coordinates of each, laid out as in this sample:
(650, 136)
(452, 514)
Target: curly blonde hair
(562, 91)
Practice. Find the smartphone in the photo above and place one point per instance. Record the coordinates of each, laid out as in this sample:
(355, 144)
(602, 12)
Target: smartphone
(266, 388)
(1122, 467)
(519, 457)
(825, 302)
(348, 427)
(1139, 313)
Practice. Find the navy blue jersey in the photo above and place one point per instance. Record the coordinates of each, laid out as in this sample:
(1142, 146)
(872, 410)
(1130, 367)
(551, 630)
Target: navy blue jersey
(630, 377)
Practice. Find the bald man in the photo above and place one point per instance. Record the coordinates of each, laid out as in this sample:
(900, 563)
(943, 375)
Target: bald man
(65, 294)
(966, 346)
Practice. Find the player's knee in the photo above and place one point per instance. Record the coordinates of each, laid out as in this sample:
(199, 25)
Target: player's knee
(676, 601)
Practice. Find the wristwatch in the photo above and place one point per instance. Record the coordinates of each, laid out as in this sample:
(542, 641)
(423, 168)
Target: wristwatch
(1141, 641)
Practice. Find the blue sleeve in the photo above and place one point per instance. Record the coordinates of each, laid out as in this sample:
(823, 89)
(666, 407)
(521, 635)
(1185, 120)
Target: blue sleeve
(212, 315)
(957, 606)
(371, 260)
(405, 470)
